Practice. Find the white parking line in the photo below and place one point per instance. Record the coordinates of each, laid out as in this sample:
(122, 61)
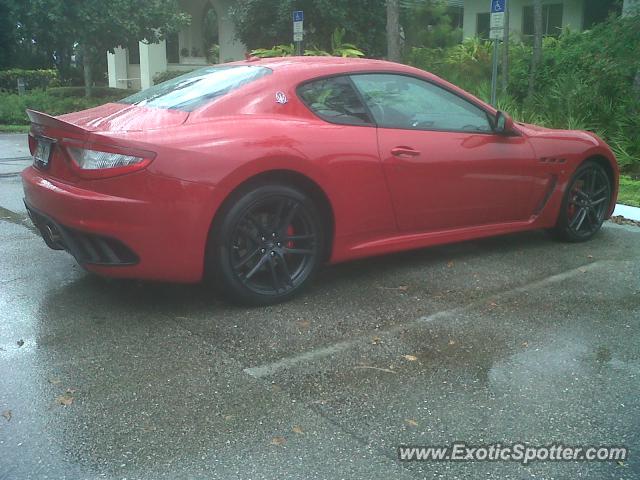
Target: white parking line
(266, 370)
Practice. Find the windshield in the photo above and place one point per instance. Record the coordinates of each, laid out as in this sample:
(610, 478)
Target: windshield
(194, 89)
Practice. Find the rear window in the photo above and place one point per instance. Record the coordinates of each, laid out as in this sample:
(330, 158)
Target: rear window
(194, 89)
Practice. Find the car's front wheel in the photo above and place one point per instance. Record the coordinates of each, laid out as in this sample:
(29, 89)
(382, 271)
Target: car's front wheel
(585, 203)
(267, 243)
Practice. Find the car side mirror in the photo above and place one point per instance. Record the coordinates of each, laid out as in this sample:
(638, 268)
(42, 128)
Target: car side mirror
(503, 123)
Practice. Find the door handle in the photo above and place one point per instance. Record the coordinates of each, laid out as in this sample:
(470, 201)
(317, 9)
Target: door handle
(404, 152)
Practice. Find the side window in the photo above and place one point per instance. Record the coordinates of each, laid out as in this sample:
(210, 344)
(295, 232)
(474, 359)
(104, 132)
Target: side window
(335, 100)
(400, 101)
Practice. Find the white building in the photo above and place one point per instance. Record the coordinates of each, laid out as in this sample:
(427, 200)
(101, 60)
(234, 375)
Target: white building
(136, 66)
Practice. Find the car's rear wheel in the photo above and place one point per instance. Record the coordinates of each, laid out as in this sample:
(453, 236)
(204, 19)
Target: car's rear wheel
(585, 203)
(267, 244)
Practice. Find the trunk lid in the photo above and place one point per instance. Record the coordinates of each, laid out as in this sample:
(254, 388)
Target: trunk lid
(122, 117)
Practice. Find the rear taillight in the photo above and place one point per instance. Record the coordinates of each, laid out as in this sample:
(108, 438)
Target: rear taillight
(32, 144)
(103, 161)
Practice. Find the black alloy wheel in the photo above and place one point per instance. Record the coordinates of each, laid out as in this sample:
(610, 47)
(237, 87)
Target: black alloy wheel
(585, 204)
(270, 243)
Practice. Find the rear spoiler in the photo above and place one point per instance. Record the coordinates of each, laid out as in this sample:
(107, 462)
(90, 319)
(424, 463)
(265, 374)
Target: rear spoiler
(39, 118)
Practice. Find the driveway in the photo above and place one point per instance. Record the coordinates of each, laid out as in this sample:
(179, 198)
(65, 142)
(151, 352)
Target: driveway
(516, 338)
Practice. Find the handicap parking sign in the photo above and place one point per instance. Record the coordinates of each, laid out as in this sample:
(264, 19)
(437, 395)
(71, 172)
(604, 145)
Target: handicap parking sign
(497, 6)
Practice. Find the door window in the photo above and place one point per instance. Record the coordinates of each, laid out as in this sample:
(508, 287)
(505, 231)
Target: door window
(401, 101)
(335, 100)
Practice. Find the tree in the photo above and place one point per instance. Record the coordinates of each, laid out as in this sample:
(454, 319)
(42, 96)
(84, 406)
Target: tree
(536, 59)
(393, 30)
(363, 21)
(426, 23)
(98, 26)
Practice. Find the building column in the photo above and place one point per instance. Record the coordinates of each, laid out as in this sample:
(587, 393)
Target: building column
(117, 68)
(153, 60)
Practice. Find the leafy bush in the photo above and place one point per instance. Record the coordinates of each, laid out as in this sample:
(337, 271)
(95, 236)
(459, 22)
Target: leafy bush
(586, 81)
(97, 92)
(32, 78)
(13, 106)
(338, 49)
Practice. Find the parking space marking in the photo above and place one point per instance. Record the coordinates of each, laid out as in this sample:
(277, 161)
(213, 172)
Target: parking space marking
(269, 369)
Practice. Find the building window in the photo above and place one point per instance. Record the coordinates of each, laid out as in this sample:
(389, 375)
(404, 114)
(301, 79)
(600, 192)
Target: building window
(483, 24)
(173, 48)
(134, 53)
(456, 14)
(551, 19)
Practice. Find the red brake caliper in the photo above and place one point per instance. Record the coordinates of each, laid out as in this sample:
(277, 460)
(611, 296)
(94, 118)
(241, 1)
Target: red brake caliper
(290, 232)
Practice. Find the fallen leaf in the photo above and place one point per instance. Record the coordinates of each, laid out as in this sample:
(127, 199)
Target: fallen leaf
(55, 381)
(228, 417)
(450, 264)
(65, 399)
(525, 344)
(411, 358)
(411, 422)
(452, 342)
(304, 324)
(582, 270)
(7, 414)
(297, 429)
(20, 342)
(278, 441)
(376, 340)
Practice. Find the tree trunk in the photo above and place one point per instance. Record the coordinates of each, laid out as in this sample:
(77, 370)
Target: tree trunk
(505, 52)
(393, 30)
(87, 64)
(537, 45)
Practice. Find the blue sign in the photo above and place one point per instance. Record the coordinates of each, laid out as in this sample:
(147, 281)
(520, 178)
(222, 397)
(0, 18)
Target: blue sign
(298, 16)
(497, 6)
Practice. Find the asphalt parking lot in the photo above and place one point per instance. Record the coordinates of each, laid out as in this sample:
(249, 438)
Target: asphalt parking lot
(516, 338)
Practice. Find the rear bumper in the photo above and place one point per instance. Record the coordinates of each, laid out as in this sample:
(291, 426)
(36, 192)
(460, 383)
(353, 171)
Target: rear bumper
(154, 228)
(86, 248)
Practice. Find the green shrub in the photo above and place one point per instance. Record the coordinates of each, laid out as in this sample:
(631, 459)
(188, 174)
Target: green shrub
(585, 82)
(13, 106)
(97, 92)
(33, 79)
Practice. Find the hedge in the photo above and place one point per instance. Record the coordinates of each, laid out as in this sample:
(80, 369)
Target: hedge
(97, 92)
(13, 106)
(32, 78)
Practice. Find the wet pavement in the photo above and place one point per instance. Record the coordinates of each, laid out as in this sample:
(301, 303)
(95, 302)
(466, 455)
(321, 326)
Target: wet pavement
(517, 338)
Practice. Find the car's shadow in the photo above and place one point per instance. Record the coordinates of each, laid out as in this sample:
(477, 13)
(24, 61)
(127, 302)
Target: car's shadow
(331, 279)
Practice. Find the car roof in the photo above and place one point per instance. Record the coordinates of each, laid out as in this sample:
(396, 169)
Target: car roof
(310, 66)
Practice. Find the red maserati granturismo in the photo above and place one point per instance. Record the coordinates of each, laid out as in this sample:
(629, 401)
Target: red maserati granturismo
(258, 172)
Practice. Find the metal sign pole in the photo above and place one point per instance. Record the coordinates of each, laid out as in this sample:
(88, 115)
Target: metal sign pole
(298, 30)
(494, 74)
(496, 33)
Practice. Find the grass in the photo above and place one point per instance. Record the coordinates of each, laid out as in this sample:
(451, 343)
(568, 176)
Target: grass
(14, 128)
(629, 193)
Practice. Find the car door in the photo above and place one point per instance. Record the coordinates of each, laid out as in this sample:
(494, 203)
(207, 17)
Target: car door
(444, 165)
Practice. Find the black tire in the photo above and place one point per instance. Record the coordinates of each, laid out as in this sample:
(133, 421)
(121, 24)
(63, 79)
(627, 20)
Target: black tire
(266, 244)
(585, 203)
